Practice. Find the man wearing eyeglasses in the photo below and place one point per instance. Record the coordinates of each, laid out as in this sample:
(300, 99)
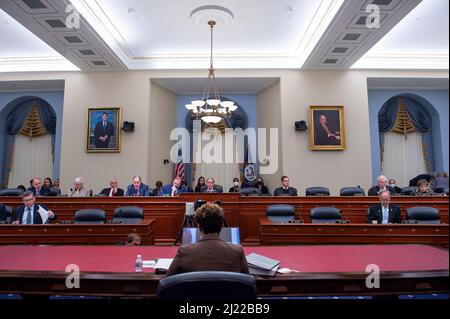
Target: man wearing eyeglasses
(30, 212)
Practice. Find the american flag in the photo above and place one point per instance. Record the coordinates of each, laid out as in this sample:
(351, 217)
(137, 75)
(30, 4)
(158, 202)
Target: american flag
(179, 169)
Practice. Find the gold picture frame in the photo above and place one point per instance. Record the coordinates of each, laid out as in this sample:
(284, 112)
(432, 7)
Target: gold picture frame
(103, 134)
(327, 131)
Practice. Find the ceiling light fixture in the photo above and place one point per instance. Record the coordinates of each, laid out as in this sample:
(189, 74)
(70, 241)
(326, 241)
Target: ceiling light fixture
(211, 109)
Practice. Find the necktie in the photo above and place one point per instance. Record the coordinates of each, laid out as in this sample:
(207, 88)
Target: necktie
(104, 124)
(28, 220)
(385, 218)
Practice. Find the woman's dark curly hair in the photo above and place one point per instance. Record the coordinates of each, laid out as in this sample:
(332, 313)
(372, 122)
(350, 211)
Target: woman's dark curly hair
(210, 218)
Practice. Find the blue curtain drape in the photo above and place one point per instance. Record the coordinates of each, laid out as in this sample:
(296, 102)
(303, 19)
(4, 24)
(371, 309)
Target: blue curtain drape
(14, 122)
(420, 119)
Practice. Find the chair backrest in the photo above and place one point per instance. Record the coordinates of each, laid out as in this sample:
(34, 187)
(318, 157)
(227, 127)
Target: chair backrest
(90, 216)
(9, 213)
(423, 215)
(281, 213)
(325, 215)
(54, 191)
(11, 192)
(352, 191)
(317, 191)
(409, 191)
(128, 215)
(8, 216)
(219, 188)
(250, 191)
(207, 285)
(441, 191)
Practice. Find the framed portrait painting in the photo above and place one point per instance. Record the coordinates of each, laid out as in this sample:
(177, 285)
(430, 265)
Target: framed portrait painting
(103, 132)
(327, 128)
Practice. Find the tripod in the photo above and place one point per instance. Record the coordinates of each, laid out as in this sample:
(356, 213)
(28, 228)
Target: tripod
(188, 222)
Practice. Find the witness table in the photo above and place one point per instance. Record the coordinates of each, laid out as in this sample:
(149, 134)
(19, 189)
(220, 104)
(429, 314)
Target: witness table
(307, 234)
(323, 270)
(76, 234)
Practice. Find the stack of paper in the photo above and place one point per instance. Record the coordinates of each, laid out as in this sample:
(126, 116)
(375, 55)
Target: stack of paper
(261, 265)
(162, 265)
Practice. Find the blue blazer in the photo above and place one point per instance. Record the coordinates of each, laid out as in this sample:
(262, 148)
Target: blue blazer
(144, 190)
(167, 190)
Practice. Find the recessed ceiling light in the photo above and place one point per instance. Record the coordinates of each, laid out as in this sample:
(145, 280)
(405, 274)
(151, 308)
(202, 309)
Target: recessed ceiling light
(291, 9)
(129, 10)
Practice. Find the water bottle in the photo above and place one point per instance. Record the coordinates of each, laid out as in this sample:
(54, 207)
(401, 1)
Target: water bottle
(138, 264)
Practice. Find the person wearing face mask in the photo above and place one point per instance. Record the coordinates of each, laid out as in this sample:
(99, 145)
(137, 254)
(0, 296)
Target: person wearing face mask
(236, 188)
(395, 189)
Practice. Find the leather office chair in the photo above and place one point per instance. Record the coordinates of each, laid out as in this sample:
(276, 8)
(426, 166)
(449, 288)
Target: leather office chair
(409, 191)
(11, 192)
(6, 218)
(352, 191)
(128, 215)
(281, 213)
(442, 191)
(317, 191)
(90, 216)
(325, 215)
(9, 214)
(250, 192)
(423, 215)
(207, 285)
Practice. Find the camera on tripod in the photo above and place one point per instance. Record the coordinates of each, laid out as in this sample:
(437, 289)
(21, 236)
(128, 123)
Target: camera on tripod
(189, 221)
(199, 203)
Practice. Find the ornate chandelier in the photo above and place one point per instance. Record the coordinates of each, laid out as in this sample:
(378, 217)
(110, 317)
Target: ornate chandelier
(210, 109)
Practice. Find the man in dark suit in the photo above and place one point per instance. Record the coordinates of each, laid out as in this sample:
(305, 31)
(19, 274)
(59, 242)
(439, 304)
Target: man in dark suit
(114, 190)
(285, 190)
(138, 188)
(28, 214)
(385, 213)
(210, 187)
(381, 186)
(211, 253)
(103, 132)
(175, 189)
(38, 189)
(323, 135)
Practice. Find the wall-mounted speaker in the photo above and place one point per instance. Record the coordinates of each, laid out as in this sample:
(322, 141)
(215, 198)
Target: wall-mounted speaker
(128, 126)
(301, 126)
